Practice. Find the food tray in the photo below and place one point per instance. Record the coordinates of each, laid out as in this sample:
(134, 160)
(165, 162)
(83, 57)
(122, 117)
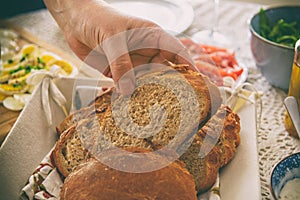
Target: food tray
(8, 117)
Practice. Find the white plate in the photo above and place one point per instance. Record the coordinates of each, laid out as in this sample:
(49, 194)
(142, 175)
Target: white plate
(174, 16)
(240, 178)
(194, 51)
(243, 77)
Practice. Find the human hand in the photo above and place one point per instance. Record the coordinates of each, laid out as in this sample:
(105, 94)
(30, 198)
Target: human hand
(112, 42)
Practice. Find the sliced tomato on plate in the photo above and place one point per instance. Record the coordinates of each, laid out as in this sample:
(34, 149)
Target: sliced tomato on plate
(211, 49)
(215, 62)
(211, 71)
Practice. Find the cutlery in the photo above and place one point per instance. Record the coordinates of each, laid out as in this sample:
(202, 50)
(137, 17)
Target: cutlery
(291, 105)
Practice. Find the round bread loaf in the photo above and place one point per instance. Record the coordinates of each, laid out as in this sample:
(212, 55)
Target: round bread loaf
(95, 181)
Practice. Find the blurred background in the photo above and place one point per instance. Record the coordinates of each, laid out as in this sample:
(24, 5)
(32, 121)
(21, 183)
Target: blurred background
(268, 2)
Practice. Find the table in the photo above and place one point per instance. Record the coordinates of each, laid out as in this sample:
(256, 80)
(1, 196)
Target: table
(7, 120)
(274, 143)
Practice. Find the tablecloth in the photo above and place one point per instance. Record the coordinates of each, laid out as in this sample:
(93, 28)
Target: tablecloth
(274, 143)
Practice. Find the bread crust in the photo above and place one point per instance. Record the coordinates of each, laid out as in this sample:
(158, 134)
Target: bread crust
(94, 180)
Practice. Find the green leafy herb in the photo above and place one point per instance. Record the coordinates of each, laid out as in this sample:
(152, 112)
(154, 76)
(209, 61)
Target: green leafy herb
(282, 32)
(24, 57)
(28, 69)
(16, 70)
(40, 61)
(10, 61)
(16, 85)
(264, 24)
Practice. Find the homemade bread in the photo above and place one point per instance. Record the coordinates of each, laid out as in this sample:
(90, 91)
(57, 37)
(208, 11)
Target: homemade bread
(166, 108)
(97, 107)
(218, 149)
(168, 92)
(69, 151)
(93, 180)
(212, 147)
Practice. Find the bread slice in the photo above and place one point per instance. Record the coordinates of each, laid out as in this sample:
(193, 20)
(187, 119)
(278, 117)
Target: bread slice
(69, 150)
(212, 147)
(166, 108)
(93, 180)
(98, 106)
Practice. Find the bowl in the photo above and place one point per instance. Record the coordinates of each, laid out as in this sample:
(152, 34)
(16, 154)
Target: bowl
(288, 169)
(274, 60)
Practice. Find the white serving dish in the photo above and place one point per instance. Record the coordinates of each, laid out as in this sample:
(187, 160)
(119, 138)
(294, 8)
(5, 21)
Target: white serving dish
(172, 15)
(240, 178)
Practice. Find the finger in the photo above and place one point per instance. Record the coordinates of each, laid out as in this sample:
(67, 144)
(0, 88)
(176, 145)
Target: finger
(107, 72)
(123, 74)
(184, 57)
(90, 56)
(97, 61)
(143, 38)
(173, 50)
(121, 68)
(142, 56)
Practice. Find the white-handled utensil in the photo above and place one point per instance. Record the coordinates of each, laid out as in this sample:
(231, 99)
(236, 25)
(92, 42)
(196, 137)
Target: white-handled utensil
(291, 105)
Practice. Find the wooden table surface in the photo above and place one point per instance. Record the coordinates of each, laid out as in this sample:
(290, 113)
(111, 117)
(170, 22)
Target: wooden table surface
(7, 120)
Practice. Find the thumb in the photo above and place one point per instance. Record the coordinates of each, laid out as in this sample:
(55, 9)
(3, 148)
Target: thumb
(123, 74)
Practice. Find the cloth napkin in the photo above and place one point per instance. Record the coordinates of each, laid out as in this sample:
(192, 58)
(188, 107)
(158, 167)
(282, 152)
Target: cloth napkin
(44, 183)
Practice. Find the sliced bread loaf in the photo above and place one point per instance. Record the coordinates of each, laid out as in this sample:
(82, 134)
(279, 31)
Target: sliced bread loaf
(167, 108)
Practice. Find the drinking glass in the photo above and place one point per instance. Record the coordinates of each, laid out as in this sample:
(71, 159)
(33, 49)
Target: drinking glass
(213, 36)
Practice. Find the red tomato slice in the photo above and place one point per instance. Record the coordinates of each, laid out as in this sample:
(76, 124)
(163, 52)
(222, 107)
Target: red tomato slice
(211, 49)
(238, 70)
(215, 62)
(228, 73)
